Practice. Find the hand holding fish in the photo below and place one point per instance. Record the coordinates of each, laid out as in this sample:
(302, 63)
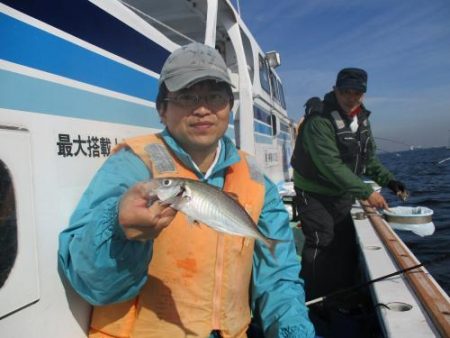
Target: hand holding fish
(140, 221)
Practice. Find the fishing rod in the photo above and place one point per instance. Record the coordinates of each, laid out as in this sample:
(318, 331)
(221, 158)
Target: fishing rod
(365, 284)
(444, 160)
(394, 141)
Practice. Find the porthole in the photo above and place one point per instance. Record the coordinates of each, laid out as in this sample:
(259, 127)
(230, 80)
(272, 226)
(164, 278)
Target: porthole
(8, 224)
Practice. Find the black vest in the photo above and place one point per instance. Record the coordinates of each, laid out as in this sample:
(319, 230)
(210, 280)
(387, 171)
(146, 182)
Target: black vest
(354, 147)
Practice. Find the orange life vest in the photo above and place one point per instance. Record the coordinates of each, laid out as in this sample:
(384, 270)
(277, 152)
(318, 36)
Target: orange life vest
(198, 278)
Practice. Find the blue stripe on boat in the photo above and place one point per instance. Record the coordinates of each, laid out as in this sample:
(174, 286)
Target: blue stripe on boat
(90, 23)
(263, 128)
(263, 139)
(21, 92)
(40, 96)
(32, 47)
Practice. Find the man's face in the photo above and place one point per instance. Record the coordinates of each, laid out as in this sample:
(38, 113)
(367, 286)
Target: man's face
(197, 126)
(349, 99)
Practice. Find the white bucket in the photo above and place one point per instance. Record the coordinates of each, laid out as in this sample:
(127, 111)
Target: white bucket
(415, 219)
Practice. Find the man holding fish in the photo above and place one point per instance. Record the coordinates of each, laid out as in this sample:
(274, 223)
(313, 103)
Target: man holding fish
(180, 234)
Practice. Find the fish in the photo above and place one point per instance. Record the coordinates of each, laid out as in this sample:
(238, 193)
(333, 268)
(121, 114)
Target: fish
(204, 203)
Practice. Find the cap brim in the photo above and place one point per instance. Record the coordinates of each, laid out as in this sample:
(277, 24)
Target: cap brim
(354, 87)
(188, 79)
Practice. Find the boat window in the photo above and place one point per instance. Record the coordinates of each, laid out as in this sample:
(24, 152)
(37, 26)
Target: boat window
(277, 89)
(264, 74)
(274, 86)
(19, 274)
(274, 125)
(263, 121)
(226, 49)
(281, 94)
(180, 21)
(284, 127)
(261, 115)
(248, 55)
(8, 224)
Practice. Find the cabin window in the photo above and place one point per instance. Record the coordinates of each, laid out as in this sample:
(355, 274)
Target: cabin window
(264, 74)
(284, 127)
(273, 85)
(8, 224)
(274, 125)
(248, 55)
(277, 89)
(180, 21)
(263, 121)
(261, 115)
(281, 94)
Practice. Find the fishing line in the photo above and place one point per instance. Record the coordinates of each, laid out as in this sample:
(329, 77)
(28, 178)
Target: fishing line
(365, 284)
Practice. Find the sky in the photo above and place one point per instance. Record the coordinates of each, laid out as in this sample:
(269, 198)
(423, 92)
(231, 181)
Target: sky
(404, 45)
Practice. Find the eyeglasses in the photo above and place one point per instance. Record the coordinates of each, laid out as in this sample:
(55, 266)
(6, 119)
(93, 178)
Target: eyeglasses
(215, 100)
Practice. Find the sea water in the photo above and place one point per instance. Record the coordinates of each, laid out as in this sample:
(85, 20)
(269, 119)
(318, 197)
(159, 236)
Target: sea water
(426, 174)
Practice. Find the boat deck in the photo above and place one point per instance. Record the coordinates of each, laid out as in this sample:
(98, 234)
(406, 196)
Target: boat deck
(400, 305)
(400, 312)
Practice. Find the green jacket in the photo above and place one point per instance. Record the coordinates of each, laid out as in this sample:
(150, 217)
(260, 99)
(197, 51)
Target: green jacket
(318, 138)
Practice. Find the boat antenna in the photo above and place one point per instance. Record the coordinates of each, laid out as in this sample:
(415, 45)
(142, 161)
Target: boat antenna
(365, 284)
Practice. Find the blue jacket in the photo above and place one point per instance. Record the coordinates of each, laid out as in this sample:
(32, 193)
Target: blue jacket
(104, 267)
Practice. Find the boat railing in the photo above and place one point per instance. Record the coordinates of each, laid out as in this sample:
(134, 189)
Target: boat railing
(431, 296)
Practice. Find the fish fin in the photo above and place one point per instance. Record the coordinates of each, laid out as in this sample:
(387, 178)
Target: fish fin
(232, 195)
(183, 200)
(180, 202)
(170, 201)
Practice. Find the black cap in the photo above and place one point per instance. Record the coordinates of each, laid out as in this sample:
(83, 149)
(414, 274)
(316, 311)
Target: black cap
(352, 78)
(313, 104)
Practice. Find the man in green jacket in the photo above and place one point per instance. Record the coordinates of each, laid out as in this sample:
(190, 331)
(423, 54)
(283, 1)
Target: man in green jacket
(334, 148)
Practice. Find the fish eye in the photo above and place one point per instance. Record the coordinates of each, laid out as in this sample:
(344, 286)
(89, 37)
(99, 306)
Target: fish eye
(166, 182)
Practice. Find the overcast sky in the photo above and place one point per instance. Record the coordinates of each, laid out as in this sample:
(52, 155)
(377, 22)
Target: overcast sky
(404, 45)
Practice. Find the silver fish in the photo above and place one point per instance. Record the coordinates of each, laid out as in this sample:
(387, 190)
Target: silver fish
(207, 204)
